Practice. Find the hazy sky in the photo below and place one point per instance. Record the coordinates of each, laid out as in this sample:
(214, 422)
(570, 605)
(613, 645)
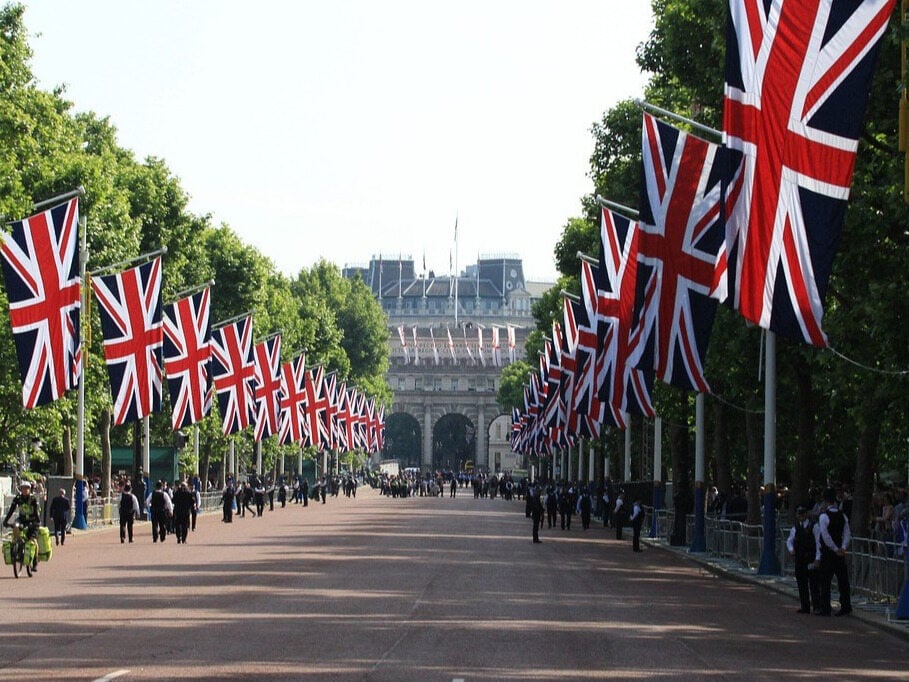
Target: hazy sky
(344, 129)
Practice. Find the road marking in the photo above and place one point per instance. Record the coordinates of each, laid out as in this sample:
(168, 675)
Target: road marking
(112, 676)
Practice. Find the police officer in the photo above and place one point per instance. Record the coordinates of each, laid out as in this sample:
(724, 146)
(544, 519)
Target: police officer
(833, 540)
(536, 512)
(802, 546)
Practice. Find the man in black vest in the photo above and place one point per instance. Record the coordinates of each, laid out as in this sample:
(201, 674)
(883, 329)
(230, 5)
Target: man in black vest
(802, 546)
(833, 539)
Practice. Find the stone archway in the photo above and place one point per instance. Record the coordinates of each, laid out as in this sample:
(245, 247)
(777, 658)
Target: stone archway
(403, 439)
(453, 442)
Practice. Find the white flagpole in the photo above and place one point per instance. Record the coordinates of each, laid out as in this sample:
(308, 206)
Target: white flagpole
(146, 446)
(79, 521)
(456, 271)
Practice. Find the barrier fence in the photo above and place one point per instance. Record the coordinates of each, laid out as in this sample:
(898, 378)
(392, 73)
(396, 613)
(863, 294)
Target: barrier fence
(877, 569)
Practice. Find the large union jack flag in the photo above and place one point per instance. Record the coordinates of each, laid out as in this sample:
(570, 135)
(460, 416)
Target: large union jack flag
(233, 371)
(680, 255)
(130, 307)
(267, 387)
(187, 358)
(41, 270)
(293, 401)
(798, 74)
(622, 387)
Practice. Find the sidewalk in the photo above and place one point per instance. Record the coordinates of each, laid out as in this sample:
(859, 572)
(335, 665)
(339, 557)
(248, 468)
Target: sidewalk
(873, 613)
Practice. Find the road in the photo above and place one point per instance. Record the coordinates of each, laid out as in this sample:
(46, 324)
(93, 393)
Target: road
(375, 588)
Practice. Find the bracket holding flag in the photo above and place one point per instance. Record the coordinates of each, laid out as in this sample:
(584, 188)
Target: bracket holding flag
(659, 111)
(627, 211)
(192, 290)
(129, 262)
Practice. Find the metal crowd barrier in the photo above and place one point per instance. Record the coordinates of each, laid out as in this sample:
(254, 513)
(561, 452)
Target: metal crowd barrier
(876, 568)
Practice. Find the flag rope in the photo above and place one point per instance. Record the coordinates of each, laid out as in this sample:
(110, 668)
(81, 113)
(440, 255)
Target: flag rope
(890, 372)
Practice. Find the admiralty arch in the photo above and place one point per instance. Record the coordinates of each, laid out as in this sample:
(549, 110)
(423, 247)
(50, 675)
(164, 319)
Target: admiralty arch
(449, 338)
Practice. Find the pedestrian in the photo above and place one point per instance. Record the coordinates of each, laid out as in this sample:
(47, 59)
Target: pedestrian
(536, 513)
(585, 505)
(259, 496)
(552, 507)
(270, 486)
(184, 501)
(282, 495)
(618, 514)
(128, 509)
(59, 511)
(566, 508)
(803, 548)
(304, 491)
(834, 536)
(227, 504)
(637, 522)
(161, 508)
(197, 505)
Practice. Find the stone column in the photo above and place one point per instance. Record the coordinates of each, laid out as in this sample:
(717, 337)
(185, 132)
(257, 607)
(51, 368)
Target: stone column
(427, 437)
(481, 455)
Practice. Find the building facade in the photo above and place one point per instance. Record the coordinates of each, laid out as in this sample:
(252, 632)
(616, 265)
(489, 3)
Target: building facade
(449, 338)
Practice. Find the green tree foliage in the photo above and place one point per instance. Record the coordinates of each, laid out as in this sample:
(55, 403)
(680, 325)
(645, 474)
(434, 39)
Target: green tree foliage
(135, 207)
(511, 385)
(835, 420)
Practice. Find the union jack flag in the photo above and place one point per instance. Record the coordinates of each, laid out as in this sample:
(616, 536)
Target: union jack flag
(380, 428)
(130, 307)
(586, 406)
(233, 370)
(331, 393)
(797, 81)
(496, 350)
(623, 388)
(341, 435)
(317, 406)
(187, 358)
(293, 398)
(41, 269)
(680, 251)
(267, 387)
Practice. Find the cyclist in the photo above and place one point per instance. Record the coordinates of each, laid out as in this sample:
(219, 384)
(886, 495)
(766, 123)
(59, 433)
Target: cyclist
(27, 504)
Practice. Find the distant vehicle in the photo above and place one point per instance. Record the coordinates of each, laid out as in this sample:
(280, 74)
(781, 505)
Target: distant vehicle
(390, 467)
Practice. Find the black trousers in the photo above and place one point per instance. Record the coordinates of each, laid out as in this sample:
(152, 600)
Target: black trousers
(834, 565)
(159, 525)
(60, 527)
(809, 586)
(181, 527)
(126, 527)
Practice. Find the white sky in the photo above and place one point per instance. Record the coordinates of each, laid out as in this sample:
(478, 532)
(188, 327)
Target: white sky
(345, 128)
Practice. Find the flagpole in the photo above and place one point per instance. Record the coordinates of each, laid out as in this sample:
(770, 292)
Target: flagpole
(79, 191)
(456, 271)
(232, 319)
(146, 445)
(659, 111)
(770, 564)
(587, 259)
(192, 290)
(79, 521)
(699, 541)
(621, 208)
(657, 474)
(129, 261)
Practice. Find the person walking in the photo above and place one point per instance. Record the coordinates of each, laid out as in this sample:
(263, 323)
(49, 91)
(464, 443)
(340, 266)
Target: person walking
(227, 504)
(161, 507)
(128, 509)
(802, 546)
(259, 497)
(585, 506)
(536, 513)
(618, 515)
(184, 501)
(552, 507)
(197, 506)
(834, 537)
(59, 511)
(637, 522)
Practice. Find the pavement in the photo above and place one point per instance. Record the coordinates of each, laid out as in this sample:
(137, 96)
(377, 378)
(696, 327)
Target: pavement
(878, 614)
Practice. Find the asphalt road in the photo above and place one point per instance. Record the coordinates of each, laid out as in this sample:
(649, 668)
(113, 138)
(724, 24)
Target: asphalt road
(376, 588)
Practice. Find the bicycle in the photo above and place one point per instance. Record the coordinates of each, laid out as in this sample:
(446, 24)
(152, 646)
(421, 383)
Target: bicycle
(18, 543)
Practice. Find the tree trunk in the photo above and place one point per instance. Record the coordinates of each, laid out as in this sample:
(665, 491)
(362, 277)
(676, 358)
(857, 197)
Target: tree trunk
(206, 463)
(754, 430)
(104, 428)
(721, 450)
(806, 447)
(865, 465)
